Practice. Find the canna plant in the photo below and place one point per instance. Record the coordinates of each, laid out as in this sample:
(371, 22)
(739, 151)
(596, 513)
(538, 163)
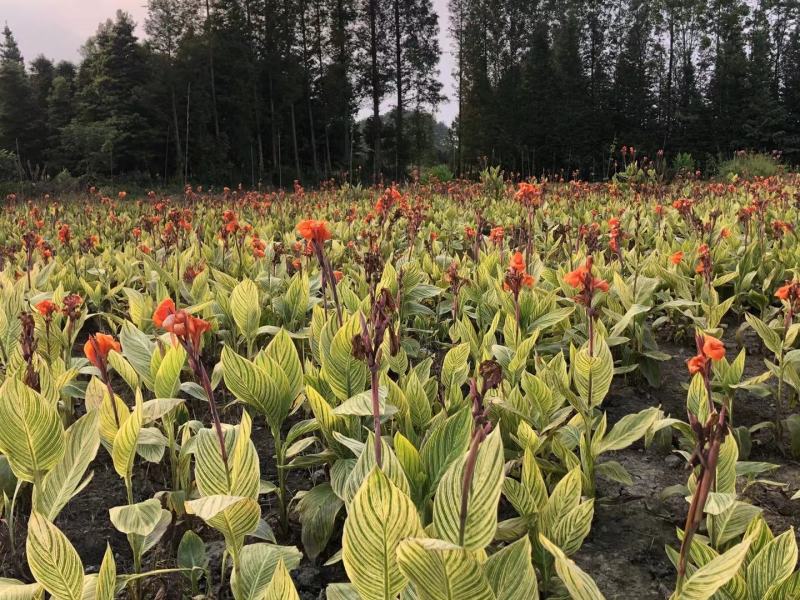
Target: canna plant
(779, 337)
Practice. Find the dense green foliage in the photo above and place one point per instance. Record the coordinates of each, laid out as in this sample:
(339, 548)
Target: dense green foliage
(268, 91)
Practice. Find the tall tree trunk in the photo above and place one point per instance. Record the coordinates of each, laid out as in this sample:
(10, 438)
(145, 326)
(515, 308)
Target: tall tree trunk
(273, 127)
(670, 75)
(398, 66)
(211, 68)
(307, 86)
(460, 165)
(376, 91)
(178, 150)
(294, 142)
(186, 155)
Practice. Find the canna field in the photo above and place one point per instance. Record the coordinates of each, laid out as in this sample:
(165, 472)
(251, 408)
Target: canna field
(446, 391)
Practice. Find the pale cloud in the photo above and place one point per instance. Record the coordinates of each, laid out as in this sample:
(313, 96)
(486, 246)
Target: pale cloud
(58, 29)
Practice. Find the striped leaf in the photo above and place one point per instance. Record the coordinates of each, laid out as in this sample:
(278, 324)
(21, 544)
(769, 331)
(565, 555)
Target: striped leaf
(31, 436)
(12, 589)
(455, 366)
(484, 494)
(53, 560)
(255, 387)
(123, 452)
(366, 463)
(627, 430)
(379, 518)
(256, 568)
(345, 374)
(448, 440)
(118, 362)
(774, 563)
(168, 377)
(281, 586)
(706, 580)
(283, 351)
(510, 572)
(106, 581)
(138, 519)
(440, 570)
(233, 516)
(318, 509)
(66, 479)
(579, 584)
(246, 307)
(341, 591)
(592, 375)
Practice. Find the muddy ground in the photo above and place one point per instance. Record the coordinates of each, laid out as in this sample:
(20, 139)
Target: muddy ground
(624, 551)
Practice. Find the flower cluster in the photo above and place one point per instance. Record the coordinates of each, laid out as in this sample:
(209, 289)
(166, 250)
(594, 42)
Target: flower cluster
(586, 283)
(709, 349)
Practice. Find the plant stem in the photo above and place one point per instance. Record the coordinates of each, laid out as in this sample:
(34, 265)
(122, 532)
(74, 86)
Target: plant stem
(376, 415)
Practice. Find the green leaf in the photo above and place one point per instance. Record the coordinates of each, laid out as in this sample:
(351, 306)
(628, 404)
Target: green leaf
(281, 587)
(233, 516)
(256, 387)
(769, 336)
(579, 584)
(65, 480)
(345, 374)
(380, 517)
(32, 436)
(106, 581)
(246, 307)
(139, 519)
(626, 431)
(774, 563)
(124, 449)
(706, 580)
(510, 572)
(284, 352)
(53, 560)
(168, 377)
(484, 494)
(318, 509)
(593, 374)
(257, 565)
(455, 367)
(440, 570)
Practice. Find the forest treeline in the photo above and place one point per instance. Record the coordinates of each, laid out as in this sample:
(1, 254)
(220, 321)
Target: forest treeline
(269, 91)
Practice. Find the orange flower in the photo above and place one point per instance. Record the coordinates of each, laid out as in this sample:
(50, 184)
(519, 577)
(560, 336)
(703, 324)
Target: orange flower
(104, 344)
(165, 309)
(312, 230)
(517, 263)
(46, 308)
(783, 292)
(575, 278)
(725, 233)
(338, 276)
(528, 280)
(676, 258)
(713, 348)
(696, 364)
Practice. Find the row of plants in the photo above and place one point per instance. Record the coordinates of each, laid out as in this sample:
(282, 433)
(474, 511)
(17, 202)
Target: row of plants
(437, 357)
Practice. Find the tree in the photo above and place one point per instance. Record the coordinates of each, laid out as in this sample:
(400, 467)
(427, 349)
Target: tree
(167, 23)
(18, 114)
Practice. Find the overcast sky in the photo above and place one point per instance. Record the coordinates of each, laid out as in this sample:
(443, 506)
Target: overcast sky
(57, 28)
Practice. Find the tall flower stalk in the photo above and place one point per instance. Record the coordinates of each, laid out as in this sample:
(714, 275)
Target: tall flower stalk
(492, 374)
(367, 347)
(317, 233)
(709, 437)
(189, 330)
(588, 285)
